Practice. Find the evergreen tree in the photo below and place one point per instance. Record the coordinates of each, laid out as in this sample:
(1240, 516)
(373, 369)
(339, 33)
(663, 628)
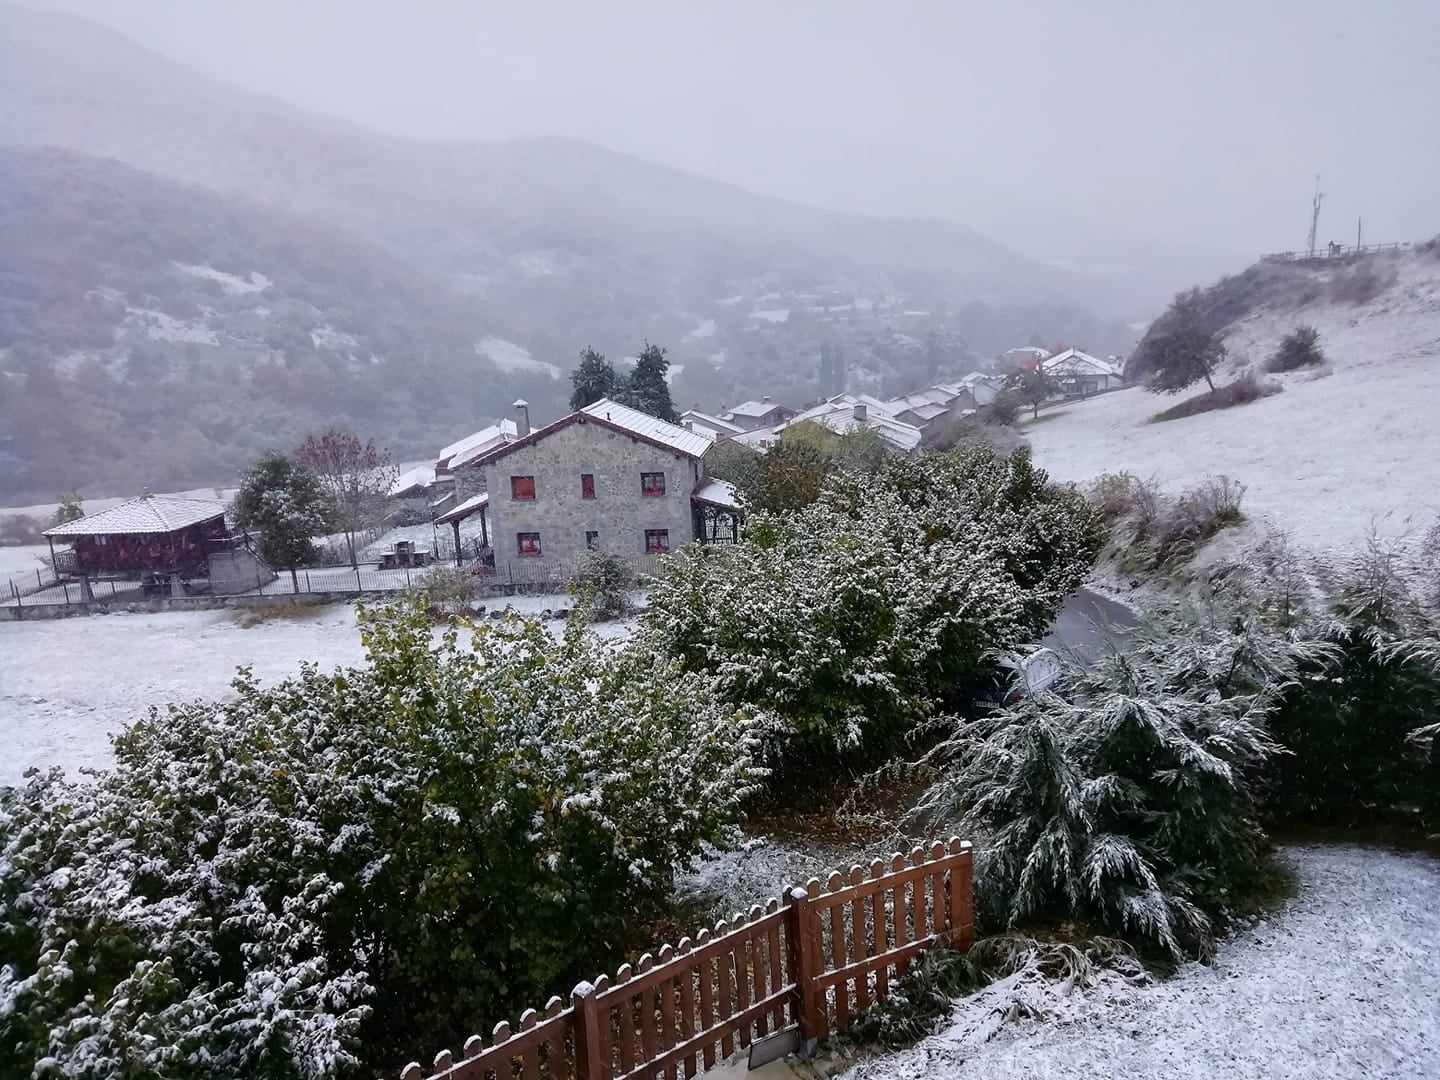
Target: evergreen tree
(594, 379)
(1183, 347)
(71, 508)
(647, 389)
(288, 505)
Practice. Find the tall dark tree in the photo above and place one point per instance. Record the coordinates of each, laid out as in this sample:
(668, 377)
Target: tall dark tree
(594, 379)
(647, 388)
(356, 475)
(1182, 346)
(286, 503)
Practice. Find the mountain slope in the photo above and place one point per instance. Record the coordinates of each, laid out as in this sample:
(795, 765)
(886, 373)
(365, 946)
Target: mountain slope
(1342, 449)
(153, 332)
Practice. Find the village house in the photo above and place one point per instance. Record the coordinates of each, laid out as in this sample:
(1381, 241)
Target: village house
(852, 412)
(1023, 358)
(604, 478)
(753, 415)
(1080, 374)
(712, 426)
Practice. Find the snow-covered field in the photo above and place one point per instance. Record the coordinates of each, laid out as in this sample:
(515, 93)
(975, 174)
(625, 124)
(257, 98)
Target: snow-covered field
(1355, 443)
(67, 685)
(1342, 984)
(20, 564)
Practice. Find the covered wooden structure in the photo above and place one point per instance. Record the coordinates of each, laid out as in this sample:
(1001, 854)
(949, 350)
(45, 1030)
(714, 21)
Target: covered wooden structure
(161, 540)
(717, 512)
(477, 504)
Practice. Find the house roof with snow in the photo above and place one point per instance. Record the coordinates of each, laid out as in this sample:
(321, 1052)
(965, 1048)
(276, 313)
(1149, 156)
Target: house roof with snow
(755, 409)
(464, 509)
(714, 423)
(1075, 360)
(464, 451)
(412, 481)
(616, 417)
(849, 412)
(147, 514)
(719, 493)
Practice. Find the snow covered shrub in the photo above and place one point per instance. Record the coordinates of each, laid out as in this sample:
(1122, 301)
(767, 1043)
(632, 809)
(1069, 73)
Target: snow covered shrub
(1150, 530)
(1131, 807)
(1364, 281)
(343, 871)
(1241, 391)
(848, 621)
(1299, 348)
(599, 583)
(1360, 725)
(445, 592)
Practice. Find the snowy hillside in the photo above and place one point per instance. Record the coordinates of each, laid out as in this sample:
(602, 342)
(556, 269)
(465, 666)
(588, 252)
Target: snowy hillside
(1352, 443)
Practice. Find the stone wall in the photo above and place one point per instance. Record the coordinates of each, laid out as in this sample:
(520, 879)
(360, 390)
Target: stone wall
(619, 512)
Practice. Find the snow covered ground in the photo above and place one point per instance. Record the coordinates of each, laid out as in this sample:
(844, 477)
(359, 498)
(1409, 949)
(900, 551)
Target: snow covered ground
(67, 685)
(1340, 448)
(20, 564)
(1342, 984)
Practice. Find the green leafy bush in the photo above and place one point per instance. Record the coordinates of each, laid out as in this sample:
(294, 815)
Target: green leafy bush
(1299, 348)
(335, 874)
(445, 592)
(599, 583)
(1361, 725)
(848, 621)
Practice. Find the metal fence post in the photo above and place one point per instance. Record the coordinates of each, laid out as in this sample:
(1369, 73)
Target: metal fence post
(359, 585)
(66, 589)
(16, 592)
(307, 582)
(407, 576)
(39, 582)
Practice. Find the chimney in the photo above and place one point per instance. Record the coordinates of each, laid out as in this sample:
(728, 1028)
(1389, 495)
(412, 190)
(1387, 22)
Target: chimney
(688, 425)
(859, 412)
(522, 418)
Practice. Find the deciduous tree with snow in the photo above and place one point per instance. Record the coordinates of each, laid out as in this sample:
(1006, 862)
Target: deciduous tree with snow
(356, 475)
(1182, 347)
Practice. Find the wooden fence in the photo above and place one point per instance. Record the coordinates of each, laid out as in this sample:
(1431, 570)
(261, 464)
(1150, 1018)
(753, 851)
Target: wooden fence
(798, 969)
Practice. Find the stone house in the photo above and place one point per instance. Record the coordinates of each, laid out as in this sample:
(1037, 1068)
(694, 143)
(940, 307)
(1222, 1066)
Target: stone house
(605, 478)
(754, 415)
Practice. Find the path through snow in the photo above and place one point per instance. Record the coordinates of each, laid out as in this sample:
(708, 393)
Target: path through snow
(1343, 984)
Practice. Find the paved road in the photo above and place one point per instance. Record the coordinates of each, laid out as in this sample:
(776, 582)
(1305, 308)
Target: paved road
(1085, 623)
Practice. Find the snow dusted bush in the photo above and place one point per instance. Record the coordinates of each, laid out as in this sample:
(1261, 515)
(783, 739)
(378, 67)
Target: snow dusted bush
(598, 585)
(849, 620)
(1150, 530)
(1362, 725)
(1133, 806)
(1299, 348)
(332, 875)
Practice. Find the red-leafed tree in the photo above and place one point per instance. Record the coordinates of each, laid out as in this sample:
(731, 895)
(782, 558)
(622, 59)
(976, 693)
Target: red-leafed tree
(356, 475)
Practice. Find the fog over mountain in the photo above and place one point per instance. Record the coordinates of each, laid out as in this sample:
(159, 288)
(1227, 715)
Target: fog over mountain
(269, 214)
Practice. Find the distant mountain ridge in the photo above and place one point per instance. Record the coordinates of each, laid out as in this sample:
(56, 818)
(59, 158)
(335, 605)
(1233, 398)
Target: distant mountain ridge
(537, 246)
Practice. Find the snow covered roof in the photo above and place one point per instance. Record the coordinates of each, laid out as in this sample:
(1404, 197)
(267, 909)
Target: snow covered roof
(649, 427)
(758, 439)
(617, 417)
(1029, 350)
(463, 451)
(465, 509)
(1075, 360)
(713, 422)
(716, 493)
(147, 514)
(757, 409)
(413, 480)
(838, 414)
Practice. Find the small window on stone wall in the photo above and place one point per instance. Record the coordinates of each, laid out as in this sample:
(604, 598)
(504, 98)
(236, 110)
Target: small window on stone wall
(657, 541)
(587, 485)
(522, 487)
(652, 483)
(592, 539)
(527, 543)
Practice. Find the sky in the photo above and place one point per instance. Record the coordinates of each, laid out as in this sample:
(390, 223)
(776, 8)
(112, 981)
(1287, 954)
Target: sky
(1063, 127)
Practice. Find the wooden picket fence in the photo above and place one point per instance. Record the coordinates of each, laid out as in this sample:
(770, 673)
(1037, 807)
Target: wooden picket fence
(800, 969)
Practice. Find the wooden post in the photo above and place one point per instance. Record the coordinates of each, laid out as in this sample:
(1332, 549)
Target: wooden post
(804, 960)
(588, 1063)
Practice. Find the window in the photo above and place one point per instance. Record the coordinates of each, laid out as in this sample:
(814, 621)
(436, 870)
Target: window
(657, 541)
(652, 483)
(592, 540)
(522, 487)
(527, 543)
(587, 485)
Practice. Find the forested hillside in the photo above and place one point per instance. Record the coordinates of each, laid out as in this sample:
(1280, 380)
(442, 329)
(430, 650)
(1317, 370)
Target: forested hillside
(153, 332)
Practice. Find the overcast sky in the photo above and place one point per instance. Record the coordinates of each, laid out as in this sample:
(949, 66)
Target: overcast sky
(1196, 122)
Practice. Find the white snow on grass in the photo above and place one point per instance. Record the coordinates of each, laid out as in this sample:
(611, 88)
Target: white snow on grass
(19, 564)
(232, 283)
(1342, 984)
(508, 356)
(159, 326)
(67, 685)
(1340, 447)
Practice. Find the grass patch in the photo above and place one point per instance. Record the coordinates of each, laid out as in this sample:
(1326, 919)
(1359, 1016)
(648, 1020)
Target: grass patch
(257, 616)
(1242, 391)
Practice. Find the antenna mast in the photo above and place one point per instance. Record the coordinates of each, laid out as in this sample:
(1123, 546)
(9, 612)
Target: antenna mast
(1315, 214)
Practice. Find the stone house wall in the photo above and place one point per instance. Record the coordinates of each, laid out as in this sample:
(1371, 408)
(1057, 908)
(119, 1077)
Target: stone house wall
(619, 512)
